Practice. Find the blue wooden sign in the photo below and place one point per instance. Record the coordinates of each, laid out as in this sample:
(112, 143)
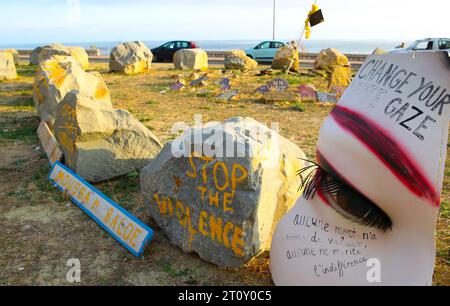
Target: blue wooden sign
(119, 223)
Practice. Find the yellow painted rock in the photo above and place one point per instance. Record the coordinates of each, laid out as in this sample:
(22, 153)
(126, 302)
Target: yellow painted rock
(130, 58)
(190, 59)
(283, 58)
(7, 67)
(341, 77)
(223, 204)
(78, 53)
(238, 60)
(57, 76)
(330, 58)
(100, 143)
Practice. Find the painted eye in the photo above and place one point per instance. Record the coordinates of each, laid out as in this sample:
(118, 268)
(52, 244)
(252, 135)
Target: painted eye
(346, 200)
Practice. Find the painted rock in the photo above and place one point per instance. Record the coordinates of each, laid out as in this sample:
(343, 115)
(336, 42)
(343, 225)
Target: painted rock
(283, 58)
(190, 59)
(330, 58)
(59, 75)
(130, 58)
(100, 143)
(238, 60)
(221, 197)
(341, 77)
(7, 67)
(78, 53)
(14, 53)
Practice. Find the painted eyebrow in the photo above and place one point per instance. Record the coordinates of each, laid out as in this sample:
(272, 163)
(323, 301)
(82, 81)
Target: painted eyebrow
(388, 151)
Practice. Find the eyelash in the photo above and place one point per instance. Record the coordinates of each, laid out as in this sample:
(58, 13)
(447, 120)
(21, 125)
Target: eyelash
(343, 198)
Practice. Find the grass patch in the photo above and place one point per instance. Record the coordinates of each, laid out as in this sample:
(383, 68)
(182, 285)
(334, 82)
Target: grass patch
(167, 267)
(20, 129)
(299, 107)
(24, 70)
(151, 102)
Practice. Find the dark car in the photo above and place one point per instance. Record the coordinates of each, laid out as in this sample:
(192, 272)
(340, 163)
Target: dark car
(166, 51)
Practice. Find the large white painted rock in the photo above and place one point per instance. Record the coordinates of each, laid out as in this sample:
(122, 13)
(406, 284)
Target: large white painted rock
(190, 59)
(14, 53)
(130, 58)
(223, 207)
(57, 76)
(78, 53)
(7, 67)
(100, 143)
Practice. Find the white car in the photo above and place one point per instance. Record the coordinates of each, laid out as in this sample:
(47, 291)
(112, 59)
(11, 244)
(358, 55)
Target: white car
(428, 44)
(265, 51)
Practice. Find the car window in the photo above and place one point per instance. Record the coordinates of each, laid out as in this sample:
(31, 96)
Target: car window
(182, 44)
(170, 45)
(444, 44)
(275, 45)
(279, 45)
(264, 45)
(423, 45)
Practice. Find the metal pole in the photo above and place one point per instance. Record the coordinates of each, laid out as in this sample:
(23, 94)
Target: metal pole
(298, 46)
(274, 20)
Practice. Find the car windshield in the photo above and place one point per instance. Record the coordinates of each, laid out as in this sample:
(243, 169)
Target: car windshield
(423, 45)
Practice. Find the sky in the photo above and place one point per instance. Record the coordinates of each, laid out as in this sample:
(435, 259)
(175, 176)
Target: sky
(33, 21)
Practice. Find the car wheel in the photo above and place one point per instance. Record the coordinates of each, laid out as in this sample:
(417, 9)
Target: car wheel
(250, 56)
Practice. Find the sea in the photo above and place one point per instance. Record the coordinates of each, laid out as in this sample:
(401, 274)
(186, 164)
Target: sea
(312, 46)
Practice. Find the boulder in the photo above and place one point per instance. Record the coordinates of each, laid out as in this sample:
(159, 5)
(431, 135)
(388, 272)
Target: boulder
(14, 53)
(100, 143)
(130, 58)
(378, 51)
(340, 77)
(57, 76)
(238, 60)
(330, 58)
(34, 57)
(224, 203)
(190, 59)
(7, 67)
(78, 53)
(283, 58)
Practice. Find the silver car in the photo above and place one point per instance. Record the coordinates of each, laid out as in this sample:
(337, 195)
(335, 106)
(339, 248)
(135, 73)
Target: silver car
(428, 44)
